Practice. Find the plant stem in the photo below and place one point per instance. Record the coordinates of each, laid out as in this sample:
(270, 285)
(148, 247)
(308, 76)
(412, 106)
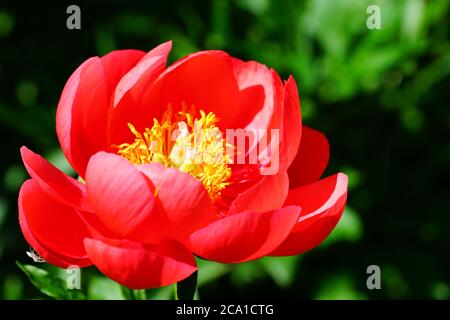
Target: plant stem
(185, 289)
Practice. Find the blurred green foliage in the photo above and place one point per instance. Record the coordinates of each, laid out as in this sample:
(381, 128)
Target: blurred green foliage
(381, 97)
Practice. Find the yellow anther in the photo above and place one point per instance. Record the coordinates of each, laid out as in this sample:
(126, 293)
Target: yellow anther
(193, 145)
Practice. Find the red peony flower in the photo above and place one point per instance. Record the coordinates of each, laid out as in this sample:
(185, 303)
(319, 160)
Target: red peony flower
(132, 129)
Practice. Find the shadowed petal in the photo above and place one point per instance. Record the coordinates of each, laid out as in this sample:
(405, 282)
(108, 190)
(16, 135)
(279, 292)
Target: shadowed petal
(311, 159)
(56, 183)
(322, 205)
(244, 236)
(122, 198)
(54, 230)
(141, 267)
(82, 114)
(182, 197)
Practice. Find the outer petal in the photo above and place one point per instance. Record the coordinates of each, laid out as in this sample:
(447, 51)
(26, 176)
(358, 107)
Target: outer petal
(118, 63)
(267, 194)
(244, 236)
(123, 198)
(292, 120)
(54, 230)
(81, 117)
(56, 183)
(130, 91)
(311, 159)
(141, 267)
(140, 76)
(95, 226)
(182, 197)
(322, 205)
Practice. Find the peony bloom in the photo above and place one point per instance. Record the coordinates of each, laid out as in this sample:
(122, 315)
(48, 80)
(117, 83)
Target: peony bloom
(142, 208)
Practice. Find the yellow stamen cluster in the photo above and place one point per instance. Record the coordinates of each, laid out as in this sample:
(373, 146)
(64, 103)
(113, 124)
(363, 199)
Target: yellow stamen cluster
(193, 145)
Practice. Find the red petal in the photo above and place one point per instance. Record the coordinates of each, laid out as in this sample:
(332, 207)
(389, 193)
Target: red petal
(267, 194)
(292, 120)
(147, 69)
(311, 159)
(182, 197)
(322, 205)
(257, 95)
(123, 198)
(54, 230)
(244, 236)
(95, 226)
(209, 80)
(130, 90)
(82, 113)
(56, 183)
(137, 266)
(118, 63)
(260, 95)
(204, 79)
(64, 113)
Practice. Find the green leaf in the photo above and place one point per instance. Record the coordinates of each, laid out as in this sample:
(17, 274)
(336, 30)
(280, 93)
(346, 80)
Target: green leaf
(349, 228)
(185, 290)
(56, 157)
(164, 293)
(130, 294)
(50, 285)
(140, 294)
(13, 178)
(280, 269)
(127, 293)
(440, 291)
(6, 24)
(3, 210)
(211, 271)
(27, 92)
(247, 273)
(102, 288)
(12, 287)
(339, 286)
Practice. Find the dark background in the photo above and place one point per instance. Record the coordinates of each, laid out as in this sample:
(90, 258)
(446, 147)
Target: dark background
(381, 97)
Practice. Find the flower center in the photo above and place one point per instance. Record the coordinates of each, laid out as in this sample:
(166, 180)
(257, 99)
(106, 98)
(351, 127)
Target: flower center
(193, 145)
